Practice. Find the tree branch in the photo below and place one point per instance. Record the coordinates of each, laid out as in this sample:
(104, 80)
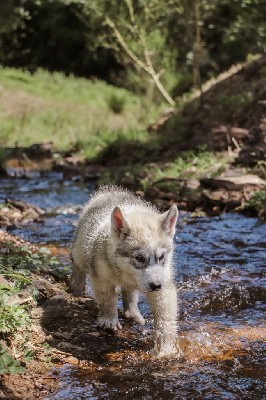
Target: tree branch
(147, 67)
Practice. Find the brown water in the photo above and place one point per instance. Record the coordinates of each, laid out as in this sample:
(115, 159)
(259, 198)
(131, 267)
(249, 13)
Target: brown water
(220, 269)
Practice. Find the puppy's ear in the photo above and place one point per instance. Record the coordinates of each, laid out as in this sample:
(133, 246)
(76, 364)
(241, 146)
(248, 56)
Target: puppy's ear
(119, 225)
(169, 219)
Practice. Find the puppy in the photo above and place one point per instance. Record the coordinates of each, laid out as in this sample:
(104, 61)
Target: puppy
(123, 241)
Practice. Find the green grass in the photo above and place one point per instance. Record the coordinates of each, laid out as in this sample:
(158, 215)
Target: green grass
(108, 140)
(45, 107)
(189, 165)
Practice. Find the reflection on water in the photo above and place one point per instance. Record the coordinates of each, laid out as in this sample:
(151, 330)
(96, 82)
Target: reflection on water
(220, 273)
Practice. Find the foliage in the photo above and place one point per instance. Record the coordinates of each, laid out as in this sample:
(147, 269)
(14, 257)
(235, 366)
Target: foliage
(8, 364)
(74, 36)
(235, 104)
(108, 145)
(13, 317)
(2, 156)
(44, 33)
(141, 39)
(260, 169)
(23, 260)
(15, 266)
(188, 165)
(258, 202)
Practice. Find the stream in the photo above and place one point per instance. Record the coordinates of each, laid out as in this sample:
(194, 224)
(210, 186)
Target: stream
(220, 266)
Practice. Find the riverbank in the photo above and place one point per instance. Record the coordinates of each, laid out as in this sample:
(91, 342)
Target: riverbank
(207, 155)
(200, 182)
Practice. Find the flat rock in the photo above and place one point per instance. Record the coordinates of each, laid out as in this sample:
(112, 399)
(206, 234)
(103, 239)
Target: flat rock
(228, 200)
(233, 182)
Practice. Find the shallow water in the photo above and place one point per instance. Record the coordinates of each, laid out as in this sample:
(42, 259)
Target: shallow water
(220, 269)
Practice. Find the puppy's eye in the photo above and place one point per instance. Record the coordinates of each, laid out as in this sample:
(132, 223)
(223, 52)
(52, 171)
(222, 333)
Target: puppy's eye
(139, 258)
(161, 257)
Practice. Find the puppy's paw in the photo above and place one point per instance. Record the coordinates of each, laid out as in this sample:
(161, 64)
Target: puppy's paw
(109, 324)
(135, 315)
(166, 346)
(167, 351)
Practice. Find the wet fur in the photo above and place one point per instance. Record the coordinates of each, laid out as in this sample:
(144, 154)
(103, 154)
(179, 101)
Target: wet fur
(114, 227)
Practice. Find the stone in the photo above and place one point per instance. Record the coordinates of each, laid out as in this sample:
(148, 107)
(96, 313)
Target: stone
(37, 150)
(233, 182)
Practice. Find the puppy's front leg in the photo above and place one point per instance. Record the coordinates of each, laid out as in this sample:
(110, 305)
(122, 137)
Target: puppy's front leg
(106, 299)
(130, 303)
(164, 308)
(77, 280)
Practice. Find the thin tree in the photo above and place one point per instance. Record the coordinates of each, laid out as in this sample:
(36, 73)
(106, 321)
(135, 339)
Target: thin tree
(136, 28)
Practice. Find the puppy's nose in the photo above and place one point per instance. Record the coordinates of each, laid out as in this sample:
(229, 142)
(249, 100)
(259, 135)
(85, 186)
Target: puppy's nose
(155, 286)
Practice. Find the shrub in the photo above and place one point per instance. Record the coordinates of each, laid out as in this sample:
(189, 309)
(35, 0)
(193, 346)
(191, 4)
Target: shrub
(116, 103)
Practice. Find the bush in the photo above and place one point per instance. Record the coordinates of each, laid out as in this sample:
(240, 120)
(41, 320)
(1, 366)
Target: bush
(258, 202)
(116, 103)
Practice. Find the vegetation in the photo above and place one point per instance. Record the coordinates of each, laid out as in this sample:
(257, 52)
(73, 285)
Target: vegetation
(14, 321)
(15, 279)
(191, 165)
(258, 202)
(68, 111)
(158, 48)
(188, 165)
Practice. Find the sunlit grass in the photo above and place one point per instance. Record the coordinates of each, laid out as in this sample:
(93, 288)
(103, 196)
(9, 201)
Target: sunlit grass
(189, 165)
(67, 110)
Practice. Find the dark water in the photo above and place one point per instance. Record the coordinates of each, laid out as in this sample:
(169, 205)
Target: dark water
(220, 268)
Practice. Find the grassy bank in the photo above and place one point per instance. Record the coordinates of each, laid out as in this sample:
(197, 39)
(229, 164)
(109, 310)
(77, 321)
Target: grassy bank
(69, 111)
(188, 165)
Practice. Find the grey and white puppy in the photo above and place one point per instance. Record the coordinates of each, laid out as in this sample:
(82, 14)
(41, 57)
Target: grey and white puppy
(124, 242)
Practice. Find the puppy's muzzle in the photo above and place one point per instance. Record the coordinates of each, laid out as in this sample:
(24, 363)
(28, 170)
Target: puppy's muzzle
(155, 286)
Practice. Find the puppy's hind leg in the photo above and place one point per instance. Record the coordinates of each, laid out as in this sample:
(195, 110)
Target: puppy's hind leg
(130, 303)
(77, 280)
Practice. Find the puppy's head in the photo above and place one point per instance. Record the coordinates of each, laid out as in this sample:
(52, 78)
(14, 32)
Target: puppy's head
(142, 246)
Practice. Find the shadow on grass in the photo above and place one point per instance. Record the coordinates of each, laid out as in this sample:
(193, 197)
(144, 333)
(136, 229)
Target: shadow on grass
(157, 148)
